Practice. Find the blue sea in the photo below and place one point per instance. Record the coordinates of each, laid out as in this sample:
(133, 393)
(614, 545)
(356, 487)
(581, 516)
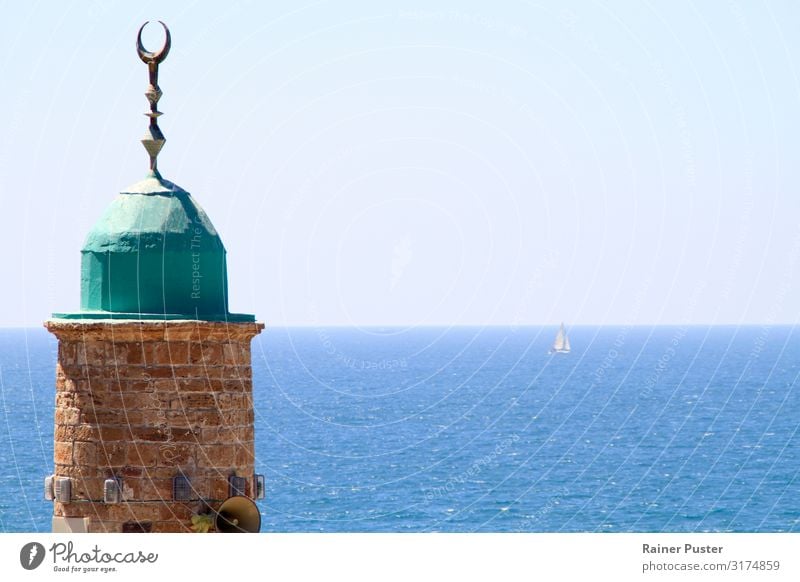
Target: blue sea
(480, 429)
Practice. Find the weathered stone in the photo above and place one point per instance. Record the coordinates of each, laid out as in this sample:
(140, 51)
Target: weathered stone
(147, 385)
(88, 488)
(244, 455)
(129, 471)
(193, 401)
(194, 419)
(67, 415)
(185, 434)
(151, 489)
(107, 416)
(113, 454)
(134, 511)
(84, 453)
(144, 402)
(62, 453)
(115, 433)
(217, 456)
(79, 432)
(179, 455)
(151, 434)
(77, 508)
(148, 331)
(70, 470)
(219, 489)
(142, 454)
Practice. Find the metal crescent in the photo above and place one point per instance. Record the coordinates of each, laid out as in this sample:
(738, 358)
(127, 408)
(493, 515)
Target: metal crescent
(155, 57)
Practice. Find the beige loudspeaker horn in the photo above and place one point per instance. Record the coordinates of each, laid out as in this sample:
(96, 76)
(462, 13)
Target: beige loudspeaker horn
(238, 514)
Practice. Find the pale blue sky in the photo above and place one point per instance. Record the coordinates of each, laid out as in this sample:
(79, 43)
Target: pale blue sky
(423, 163)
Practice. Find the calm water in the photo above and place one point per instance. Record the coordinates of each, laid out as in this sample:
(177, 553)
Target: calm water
(478, 429)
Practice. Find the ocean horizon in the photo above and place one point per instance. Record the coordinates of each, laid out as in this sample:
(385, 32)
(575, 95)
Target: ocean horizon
(478, 428)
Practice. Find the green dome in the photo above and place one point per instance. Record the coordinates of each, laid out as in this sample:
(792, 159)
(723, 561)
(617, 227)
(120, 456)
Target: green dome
(154, 254)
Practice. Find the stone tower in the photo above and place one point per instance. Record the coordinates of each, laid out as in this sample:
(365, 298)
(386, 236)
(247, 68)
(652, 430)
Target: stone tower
(154, 407)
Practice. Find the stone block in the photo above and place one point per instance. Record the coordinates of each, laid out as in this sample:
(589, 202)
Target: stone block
(152, 489)
(80, 355)
(134, 472)
(77, 471)
(185, 434)
(104, 416)
(237, 385)
(74, 509)
(149, 434)
(216, 456)
(67, 353)
(219, 488)
(194, 419)
(62, 453)
(88, 488)
(141, 400)
(234, 418)
(80, 432)
(84, 453)
(113, 454)
(134, 353)
(94, 352)
(177, 455)
(110, 433)
(161, 372)
(211, 435)
(134, 511)
(143, 385)
(142, 454)
(192, 401)
(68, 416)
(244, 455)
(237, 373)
(206, 354)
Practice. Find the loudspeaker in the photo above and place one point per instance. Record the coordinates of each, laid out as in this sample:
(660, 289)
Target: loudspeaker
(62, 489)
(238, 514)
(49, 488)
(181, 488)
(112, 490)
(259, 486)
(237, 486)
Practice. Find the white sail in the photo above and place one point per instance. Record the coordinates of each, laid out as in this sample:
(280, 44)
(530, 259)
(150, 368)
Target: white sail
(558, 344)
(561, 343)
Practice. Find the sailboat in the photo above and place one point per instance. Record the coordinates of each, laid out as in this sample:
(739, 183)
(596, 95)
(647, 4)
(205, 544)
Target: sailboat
(561, 343)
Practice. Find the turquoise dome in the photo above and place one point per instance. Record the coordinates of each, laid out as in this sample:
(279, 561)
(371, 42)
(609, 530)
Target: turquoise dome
(154, 254)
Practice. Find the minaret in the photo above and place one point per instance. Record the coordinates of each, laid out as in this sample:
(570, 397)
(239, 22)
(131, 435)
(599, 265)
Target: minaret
(154, 407)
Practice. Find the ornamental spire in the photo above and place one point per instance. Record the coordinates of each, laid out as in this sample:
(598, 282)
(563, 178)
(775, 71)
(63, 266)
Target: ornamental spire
(153, 139)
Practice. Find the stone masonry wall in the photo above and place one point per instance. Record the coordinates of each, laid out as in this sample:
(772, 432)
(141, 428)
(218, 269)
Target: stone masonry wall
(146, 401)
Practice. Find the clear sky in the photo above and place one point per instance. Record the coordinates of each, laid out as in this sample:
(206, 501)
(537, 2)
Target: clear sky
(422, 163)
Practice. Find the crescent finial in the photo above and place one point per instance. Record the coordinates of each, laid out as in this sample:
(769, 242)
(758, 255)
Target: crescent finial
(156, 57)
(153, 140)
